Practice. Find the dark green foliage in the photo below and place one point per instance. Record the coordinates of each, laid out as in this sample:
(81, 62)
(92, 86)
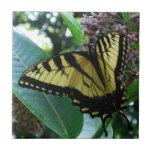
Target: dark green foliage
(133, 91)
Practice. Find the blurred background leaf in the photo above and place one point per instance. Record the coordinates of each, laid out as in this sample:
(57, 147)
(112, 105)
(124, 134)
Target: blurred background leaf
(74, 27)
(126, 16)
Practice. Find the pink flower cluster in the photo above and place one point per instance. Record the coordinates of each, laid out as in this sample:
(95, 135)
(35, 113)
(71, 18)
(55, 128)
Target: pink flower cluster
(131, 75)
(132, 57)
(132, 38)
(96, 24)
(120, 28)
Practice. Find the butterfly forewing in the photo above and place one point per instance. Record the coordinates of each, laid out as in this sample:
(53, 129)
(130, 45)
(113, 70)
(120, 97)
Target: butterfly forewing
(108, 52)
(64, 72)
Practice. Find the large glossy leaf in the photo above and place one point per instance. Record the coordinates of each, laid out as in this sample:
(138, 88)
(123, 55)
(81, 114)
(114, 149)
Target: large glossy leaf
(133, 91)
(74, 27)
(90, 126)
(57, 113)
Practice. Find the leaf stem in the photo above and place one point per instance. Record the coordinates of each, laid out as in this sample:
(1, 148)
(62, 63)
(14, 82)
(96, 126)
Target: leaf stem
(58, 116)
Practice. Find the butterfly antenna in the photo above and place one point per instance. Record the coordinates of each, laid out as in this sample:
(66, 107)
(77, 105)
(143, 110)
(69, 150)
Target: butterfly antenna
(104, 127)
(129, 125)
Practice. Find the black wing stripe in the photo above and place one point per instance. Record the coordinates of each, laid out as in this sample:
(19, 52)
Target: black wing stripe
(38, 72)
(35, 68)
(93, 54)
(85, 82)
(101, 53)
(72, 61)
(108, 40)
(58, 62)
(46, 65)
(105, 47)
(104, 43)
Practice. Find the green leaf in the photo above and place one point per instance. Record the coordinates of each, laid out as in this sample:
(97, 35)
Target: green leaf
(133, 91)
(74, 27)
(90, 126)
(136, 45)
(126, 16)
(57, 113)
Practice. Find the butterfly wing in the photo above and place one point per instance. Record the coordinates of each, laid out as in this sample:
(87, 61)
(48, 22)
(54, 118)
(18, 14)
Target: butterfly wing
(109, 55)
(91, 79)
(63, 74)
(110, 52)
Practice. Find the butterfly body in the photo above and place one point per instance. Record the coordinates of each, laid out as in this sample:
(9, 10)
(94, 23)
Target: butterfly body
(91, 79)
